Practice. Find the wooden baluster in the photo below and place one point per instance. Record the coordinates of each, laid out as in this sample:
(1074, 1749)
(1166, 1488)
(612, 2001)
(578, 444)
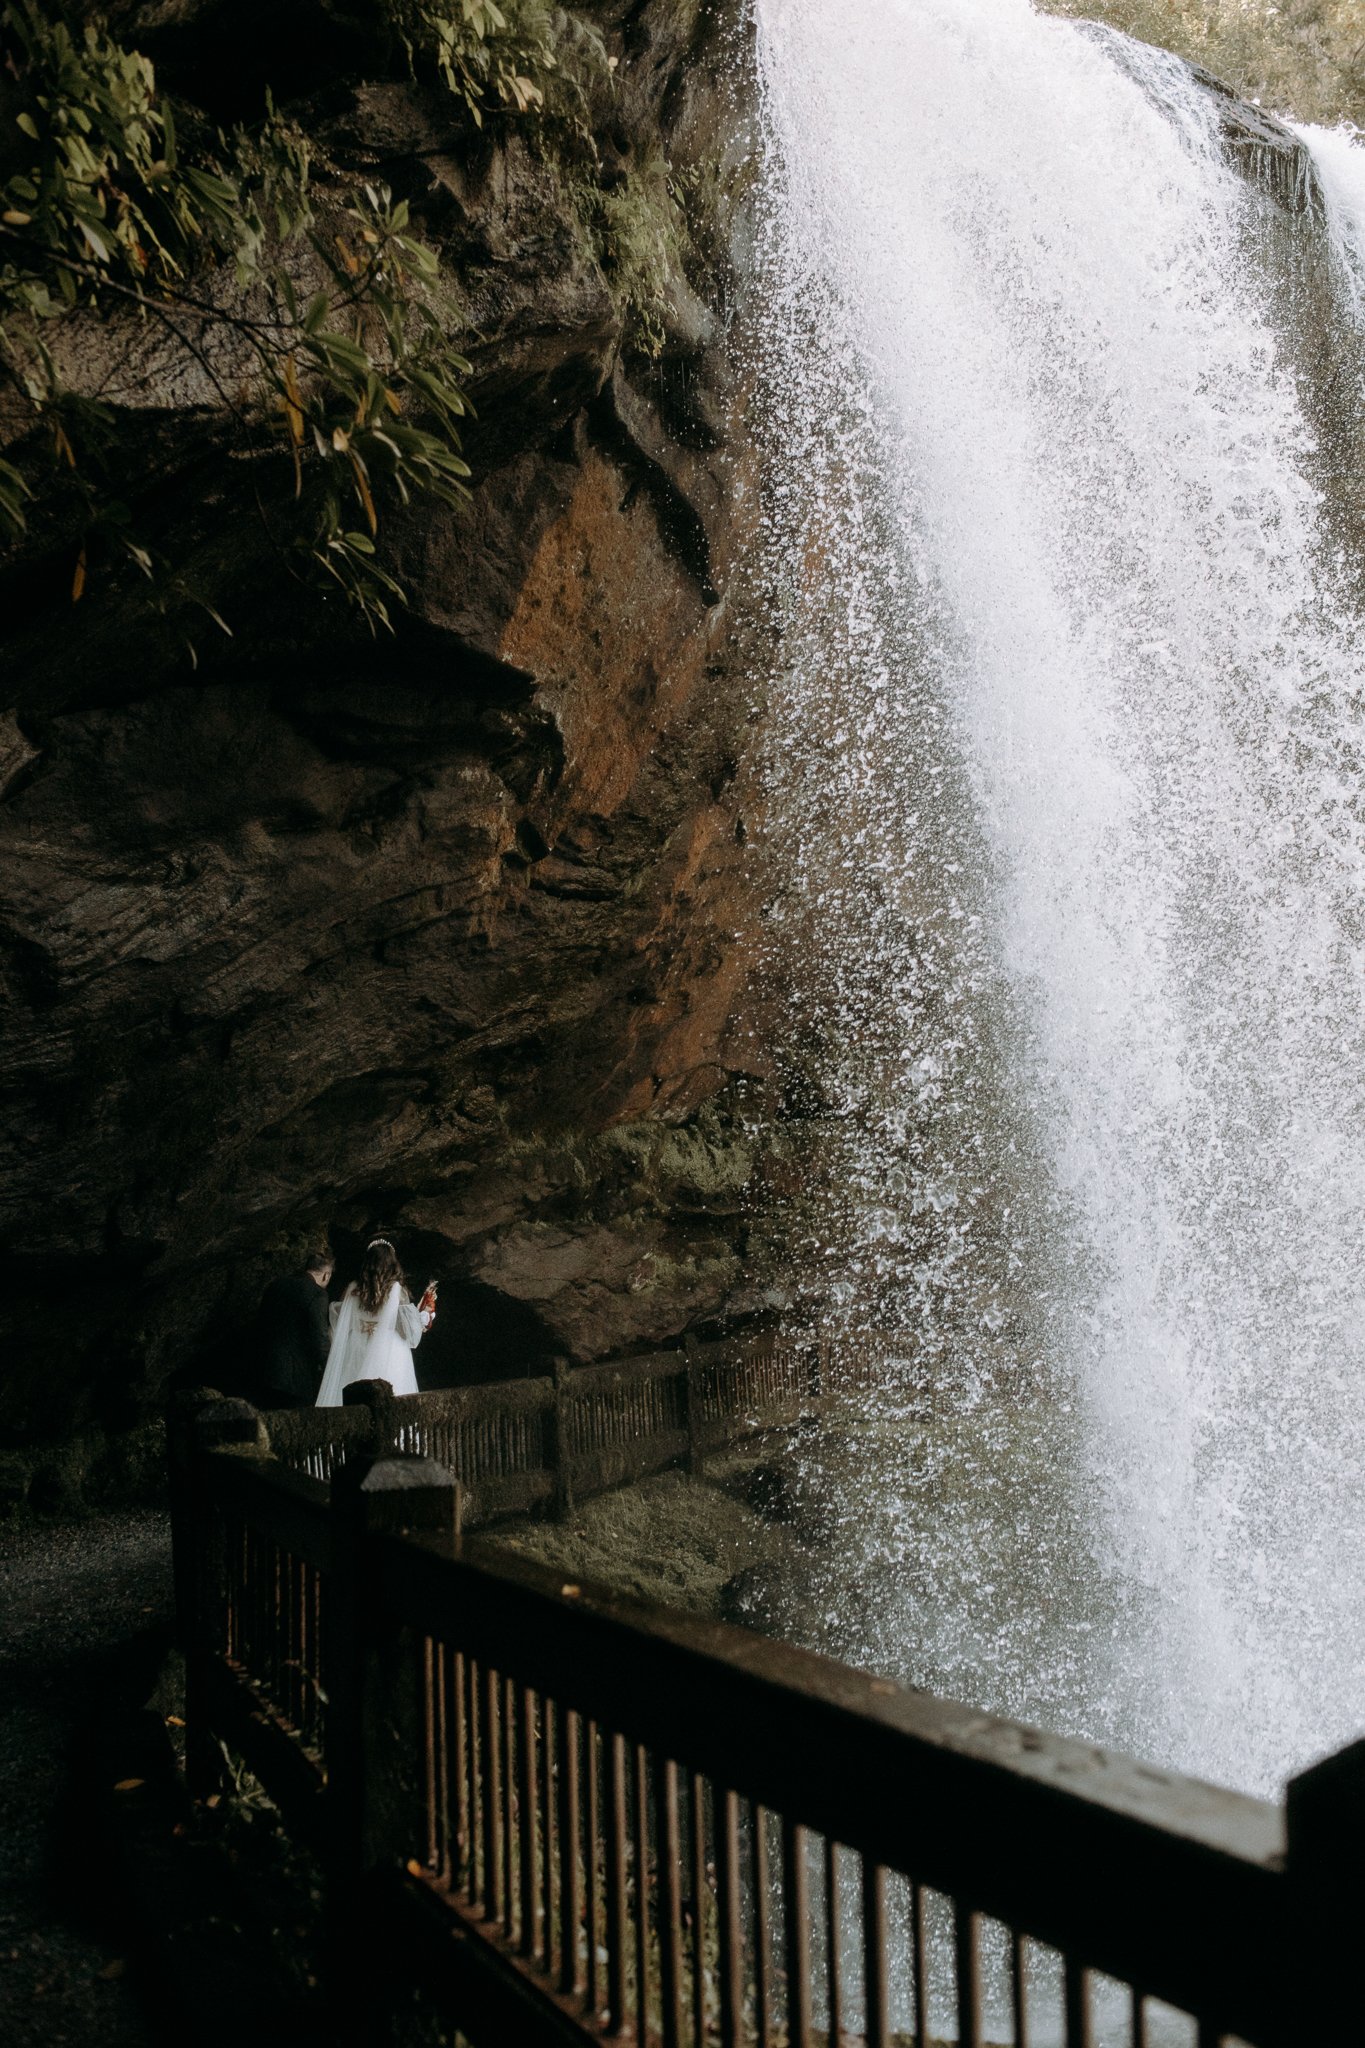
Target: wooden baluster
(1019, 1995)
(876, 2000)
(493, 1886)
(617, 1933)
(730, 1938)
(530, 1888)
(548, 1714)
(509, 1783)
(763, 2010)
(967, 1953)
(249, 1601)
(669, 1857)
(433, 1749)
(274, 1600)
(1076, 1989)
(445, 1855)
(298, 1603)
(319, 1655)
(302, 1574)
(462, 1872)
(641, 1896)
(700, 1894)
(570, 1866)
(287, 1630)
(592, 1907)
(833, 1945)
(919, 1947)
(474, 1754)
(796, 1926)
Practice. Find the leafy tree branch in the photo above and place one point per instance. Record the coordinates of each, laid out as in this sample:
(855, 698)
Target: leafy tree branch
(354, 380)
(315, 316)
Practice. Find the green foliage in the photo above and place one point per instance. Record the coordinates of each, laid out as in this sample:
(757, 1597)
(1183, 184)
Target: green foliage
(103, 177)
(521, 57)
(640, 228)
(1301, 57)
(359, 384)
(528, 57)
(107, 181)
(349, 399)
(314, 318)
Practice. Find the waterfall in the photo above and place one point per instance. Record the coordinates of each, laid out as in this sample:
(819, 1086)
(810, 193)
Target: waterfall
(1064, 802)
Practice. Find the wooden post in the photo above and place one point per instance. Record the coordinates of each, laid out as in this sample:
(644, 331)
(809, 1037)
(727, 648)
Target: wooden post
(1325, 1870)
(375, 1751)
(561, 1441)
(186, 1503)
(378, 1396)
(693, 1408)
(210, 1425)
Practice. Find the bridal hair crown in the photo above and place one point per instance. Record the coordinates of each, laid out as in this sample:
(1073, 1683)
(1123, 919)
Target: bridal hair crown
(378, 1240)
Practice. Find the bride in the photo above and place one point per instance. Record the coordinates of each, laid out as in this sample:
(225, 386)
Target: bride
(374, 1329)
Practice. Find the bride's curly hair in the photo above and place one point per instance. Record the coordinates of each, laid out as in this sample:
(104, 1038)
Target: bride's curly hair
(377, 1275)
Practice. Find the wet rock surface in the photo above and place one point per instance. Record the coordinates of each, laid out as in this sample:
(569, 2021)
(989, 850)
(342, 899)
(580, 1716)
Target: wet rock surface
(440, 933)
(671, 1538)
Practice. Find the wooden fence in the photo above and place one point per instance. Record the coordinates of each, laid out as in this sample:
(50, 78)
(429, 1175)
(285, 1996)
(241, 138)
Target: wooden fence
(522, 1446)
(574, 1817)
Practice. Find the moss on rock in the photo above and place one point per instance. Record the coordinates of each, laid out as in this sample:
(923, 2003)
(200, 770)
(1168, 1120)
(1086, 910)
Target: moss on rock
(674, 1539)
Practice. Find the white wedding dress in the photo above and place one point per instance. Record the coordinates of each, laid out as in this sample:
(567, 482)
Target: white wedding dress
(371, 1347)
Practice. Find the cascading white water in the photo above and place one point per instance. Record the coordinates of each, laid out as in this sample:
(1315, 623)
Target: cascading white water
(1069, 800)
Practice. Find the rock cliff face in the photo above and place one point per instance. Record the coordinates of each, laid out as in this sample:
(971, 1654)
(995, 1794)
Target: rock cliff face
(440, 932)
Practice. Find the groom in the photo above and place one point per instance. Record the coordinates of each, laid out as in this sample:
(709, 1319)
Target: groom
(294, 1334)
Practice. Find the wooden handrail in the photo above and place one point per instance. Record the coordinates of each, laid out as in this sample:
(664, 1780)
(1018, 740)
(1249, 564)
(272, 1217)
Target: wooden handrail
(552, 1441)
(489, 1668)
(1151, 1877)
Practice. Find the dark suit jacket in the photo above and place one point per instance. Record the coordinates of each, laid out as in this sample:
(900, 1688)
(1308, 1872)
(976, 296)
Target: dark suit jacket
(294, 1337)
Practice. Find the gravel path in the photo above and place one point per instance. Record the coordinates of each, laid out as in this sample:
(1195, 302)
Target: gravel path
(85, 1615)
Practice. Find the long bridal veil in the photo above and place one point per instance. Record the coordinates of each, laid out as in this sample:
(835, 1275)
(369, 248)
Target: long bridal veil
(353, 1353)
(334, 1373)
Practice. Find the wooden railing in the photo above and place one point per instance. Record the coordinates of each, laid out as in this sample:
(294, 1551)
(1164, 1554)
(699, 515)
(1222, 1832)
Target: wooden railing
(573, 1817)
(519, 1446)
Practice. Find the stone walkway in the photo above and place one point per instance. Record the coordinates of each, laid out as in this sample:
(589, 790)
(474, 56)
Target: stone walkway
(85, 1618)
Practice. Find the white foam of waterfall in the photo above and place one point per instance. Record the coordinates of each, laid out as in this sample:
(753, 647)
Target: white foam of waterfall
(1339, 162)
(1067, 793)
